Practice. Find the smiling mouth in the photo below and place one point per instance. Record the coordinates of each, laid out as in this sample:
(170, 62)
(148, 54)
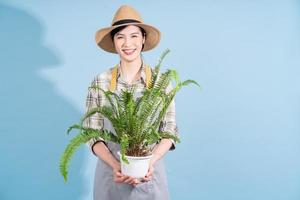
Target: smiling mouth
(128, 51)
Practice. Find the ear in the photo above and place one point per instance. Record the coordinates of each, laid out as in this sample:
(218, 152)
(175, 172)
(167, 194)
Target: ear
(144, 39)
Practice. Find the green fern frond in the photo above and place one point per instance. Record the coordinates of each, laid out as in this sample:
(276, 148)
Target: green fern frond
(124, 143)
(187, 82)
(75, 126)
(168, 135)
(111, 96)
(163, 55)
(156, 70)
(75, 143)
(70, 150)
(175, 76)
(105, 111)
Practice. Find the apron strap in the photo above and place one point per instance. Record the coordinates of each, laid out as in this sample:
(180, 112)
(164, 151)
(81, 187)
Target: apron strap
(148, 75)
(113, 80)
(114, 73)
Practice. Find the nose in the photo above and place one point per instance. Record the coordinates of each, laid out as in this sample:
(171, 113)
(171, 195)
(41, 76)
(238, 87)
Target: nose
(127, 41)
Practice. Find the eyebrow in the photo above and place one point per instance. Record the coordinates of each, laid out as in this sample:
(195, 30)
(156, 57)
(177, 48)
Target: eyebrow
(130, 33)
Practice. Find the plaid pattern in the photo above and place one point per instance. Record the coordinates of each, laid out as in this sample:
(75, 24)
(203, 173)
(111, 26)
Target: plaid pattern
(96, 98)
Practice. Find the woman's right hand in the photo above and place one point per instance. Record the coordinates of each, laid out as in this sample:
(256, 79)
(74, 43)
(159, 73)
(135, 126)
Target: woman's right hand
(122, 178)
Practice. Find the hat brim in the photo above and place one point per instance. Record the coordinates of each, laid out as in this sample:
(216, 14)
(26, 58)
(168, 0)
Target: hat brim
(104, 41)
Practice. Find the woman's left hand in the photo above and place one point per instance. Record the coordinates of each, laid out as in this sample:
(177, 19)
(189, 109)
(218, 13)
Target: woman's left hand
(149, 174)
(146, 178)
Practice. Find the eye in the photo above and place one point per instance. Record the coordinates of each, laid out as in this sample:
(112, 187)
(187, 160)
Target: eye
(134, 36)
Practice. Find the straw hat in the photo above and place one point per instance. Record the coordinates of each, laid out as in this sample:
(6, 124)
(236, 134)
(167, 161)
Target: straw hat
(127, 15)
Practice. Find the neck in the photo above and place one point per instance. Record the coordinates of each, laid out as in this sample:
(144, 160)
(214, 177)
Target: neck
(131, 69)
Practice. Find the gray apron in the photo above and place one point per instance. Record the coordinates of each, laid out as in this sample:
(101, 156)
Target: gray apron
(106, 189)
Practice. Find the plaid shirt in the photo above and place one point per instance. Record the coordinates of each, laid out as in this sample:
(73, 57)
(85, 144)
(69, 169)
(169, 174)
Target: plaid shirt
(96, 98)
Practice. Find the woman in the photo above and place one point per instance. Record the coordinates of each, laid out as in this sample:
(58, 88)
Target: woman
(128, 36)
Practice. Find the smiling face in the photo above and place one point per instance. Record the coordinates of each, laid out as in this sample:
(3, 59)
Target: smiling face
(129, 42)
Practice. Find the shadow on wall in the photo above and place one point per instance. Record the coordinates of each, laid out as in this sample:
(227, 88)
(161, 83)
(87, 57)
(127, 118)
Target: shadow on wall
(34, 118)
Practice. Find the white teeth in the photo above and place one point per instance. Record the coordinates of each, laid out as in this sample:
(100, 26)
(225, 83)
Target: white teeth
(128, 51)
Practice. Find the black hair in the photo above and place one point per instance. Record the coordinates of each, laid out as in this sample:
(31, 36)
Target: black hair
(114, 31)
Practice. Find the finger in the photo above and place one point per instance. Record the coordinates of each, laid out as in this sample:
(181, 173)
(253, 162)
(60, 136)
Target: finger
(134, 180)
(148, 174)
(151, 170)
(131, 181)
(146, 179)
(119, 174)
(118, 180)
(121, 179)
(127, 179)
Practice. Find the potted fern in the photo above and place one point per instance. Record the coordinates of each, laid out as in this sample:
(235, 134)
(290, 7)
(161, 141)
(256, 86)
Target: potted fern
(136, 122)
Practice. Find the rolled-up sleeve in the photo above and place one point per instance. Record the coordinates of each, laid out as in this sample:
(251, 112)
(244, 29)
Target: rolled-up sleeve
(95, 121)
(168, 123)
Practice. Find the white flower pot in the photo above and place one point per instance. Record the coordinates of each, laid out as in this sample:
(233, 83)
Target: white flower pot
(137, 167)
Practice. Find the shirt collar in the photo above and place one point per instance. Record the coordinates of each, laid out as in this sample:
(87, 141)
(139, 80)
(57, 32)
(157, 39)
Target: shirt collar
(143, 74)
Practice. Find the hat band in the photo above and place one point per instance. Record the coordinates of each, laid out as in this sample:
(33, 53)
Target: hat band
(125, 21)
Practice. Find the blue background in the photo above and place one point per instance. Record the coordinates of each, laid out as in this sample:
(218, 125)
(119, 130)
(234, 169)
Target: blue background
(240, 134)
